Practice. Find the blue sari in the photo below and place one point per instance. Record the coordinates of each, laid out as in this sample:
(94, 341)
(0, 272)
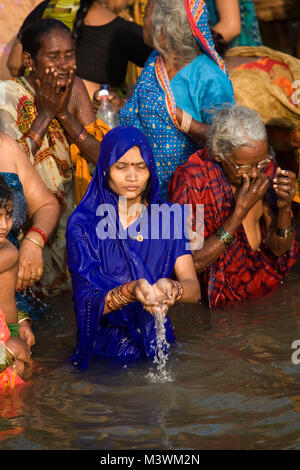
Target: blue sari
(199, 88)
(98, 265)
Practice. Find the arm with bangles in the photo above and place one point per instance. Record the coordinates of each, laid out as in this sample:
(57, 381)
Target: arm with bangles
(281, 231)
(161, 295)
(245, 198)
(43, 211)
(71, 106)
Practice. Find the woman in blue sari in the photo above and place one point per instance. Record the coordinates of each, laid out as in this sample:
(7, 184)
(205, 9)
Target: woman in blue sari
(182, 82)
(121, 275)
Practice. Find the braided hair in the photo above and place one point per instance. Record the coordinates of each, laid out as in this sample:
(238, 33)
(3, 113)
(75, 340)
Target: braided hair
(82, 11)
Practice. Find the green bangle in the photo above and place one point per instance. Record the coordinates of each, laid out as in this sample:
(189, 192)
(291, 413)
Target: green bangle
(224, 236)
(23, 316)
(284, 232)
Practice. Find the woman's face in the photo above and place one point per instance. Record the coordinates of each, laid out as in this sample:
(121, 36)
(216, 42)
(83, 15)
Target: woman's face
(57, 51)
(128, 177)
(147, 30)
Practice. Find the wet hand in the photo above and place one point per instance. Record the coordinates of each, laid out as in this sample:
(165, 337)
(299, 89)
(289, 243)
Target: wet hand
(51, 97)
(144, 293)
(251, 191)
(284, 185)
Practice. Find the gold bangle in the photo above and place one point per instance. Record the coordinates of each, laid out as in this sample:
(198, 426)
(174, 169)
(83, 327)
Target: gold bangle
(179, 292)
(80, 138)
(34, 241)
(23, 316)
(14, 357)
(34, 136)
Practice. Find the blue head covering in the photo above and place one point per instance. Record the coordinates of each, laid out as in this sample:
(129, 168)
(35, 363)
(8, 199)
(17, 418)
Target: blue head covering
(98, 265)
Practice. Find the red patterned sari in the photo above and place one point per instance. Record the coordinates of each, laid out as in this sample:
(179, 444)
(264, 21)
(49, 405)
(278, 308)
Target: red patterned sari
(240, 273)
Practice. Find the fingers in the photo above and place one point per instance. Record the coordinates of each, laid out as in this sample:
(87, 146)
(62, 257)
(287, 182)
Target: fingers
(246, 183)
(284, 184)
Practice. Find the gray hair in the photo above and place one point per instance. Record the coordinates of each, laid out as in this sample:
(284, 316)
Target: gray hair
(235, 127)
(169, 18)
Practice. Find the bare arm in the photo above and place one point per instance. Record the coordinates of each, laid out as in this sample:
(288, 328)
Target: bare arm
(8, 256)
(229, 25)
(198, 130)
(186, 275)
(43, 210)
(284, 185)
(80, 113)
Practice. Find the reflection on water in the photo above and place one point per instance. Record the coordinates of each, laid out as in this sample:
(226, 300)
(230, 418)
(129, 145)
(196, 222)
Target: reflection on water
(234, 385)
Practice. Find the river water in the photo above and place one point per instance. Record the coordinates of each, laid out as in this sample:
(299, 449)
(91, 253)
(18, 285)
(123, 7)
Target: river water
(232, 385)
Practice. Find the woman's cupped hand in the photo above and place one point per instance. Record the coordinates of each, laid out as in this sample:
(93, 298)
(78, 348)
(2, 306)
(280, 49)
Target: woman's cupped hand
(156, 298)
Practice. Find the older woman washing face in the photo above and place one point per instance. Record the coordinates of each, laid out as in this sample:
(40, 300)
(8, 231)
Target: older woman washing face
(249, 234)
(119, 259)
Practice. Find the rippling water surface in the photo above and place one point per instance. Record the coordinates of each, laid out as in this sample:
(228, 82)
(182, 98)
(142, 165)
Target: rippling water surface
(233, 385)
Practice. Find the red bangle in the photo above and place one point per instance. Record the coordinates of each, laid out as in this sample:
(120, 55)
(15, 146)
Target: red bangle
(40, 231)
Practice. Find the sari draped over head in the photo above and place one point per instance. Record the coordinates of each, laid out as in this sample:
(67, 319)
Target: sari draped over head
(98, 265)
(52, 162)
(240, 272)
(198, 88)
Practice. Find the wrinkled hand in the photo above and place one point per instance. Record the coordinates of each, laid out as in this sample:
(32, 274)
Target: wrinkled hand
(30, 264)
(26, 333)
(250, 193)
(51, 99)
(284, 185)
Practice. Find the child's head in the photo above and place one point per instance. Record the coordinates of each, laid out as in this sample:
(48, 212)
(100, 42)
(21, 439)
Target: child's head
(6, 209)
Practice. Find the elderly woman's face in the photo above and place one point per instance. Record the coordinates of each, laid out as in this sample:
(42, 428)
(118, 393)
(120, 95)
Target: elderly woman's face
(128, 177)
(246, 160)
(57, 51)
(147, 30)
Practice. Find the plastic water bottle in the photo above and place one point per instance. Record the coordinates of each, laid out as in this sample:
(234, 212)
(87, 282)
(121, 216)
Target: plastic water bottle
(106, 111)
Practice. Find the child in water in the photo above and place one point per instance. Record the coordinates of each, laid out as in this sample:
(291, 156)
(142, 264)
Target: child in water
(18, 345)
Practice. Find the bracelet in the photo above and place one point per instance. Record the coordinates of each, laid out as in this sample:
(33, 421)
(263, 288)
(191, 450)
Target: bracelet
(224, 236)
(179, 290)
(5, 359)
(14, 357)
(284, 232)
(40, 231)
(22, 316)
(186, 122)
(116, 299)
(34, 241)
(80, 138)
(35, 137)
